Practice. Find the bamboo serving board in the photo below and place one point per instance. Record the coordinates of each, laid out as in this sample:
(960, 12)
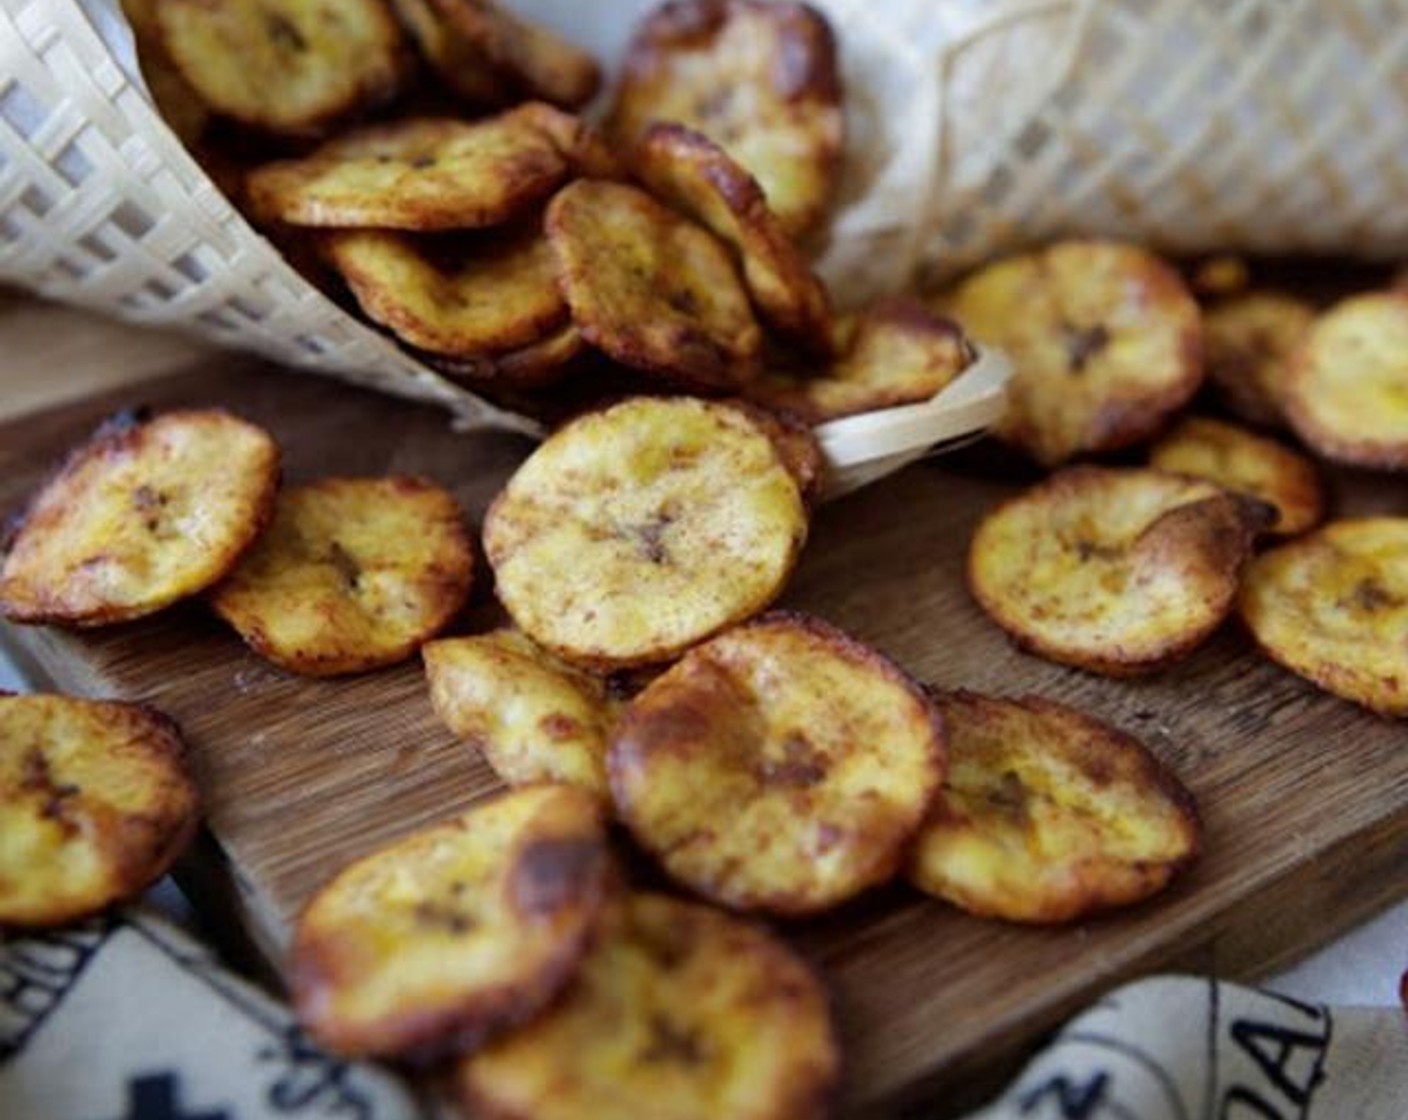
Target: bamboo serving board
(1305, 798)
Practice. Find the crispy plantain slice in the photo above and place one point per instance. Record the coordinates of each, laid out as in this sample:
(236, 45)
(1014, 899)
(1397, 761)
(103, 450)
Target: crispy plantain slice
(286, 66)
(1250, 342)
(1347, 394)
(96, 802)
(534, 717)
(457, 61)
(759, 79)
(636, 531)
(650, 289)
(1238, 460)
(533, 366)
(1333, 608)
(352, 574)
(459, 296)
(1119, 571)
(796, 445)
(679, 1011)
(530, 59)
(423, 174)
(433, 943)
(781, 766)
(1105, 343)
(688, 171)
(143, 514)
(1047, 815)
(895, 352)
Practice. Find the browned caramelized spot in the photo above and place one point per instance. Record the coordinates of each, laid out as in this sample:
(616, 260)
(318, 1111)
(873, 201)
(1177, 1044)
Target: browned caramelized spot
(447, 918)
(652, 538)
(149, 503)
(553, 874)
(1082, 344)
(347, 568)
(801, 763)
(671, 1043)
(1370, 596)
(37, 778)
(1010, 796)
(283, 33)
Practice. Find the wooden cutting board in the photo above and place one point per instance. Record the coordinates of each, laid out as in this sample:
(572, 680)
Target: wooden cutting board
(1305, 798)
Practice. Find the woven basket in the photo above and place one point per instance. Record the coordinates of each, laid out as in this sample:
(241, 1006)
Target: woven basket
(974, 125)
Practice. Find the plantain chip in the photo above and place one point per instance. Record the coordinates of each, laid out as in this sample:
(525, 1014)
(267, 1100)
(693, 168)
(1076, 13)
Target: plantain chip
(1332, 607)
(534, 717)
(688, 171)
(781, 766)
(294, 67)
(1047, 815)
(143, 514)
(1239, 460)
(352, 574)
(463, 297)
(895, 352)
(759, 79)
(796, 445)
(634, 532)
(653, 291)
(1118, 571)
(456, 60)
(96, 802)
(533, 366)
(175, 100)
(1251, 340)
(1105, 343)
(422, 174)
(679, 1011)
(1347, 394)
(430, 945)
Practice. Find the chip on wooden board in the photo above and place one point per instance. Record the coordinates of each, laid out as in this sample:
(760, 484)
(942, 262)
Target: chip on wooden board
(679, 1011)
(1047, 815)
(534, 717)
(895, 352)
(145, 513)
(428, 173)
(1118, 571)
(293, 67)
(460, 296)
(781, 766)
(352, 574)
(97, 800)
(1105, 342)
(1246, 463)
(1347, 394)
(1250, 341)
(636, 531)
(651, 289)
(1332, 607)
(759, 79)
(688, 171)
(428, 946)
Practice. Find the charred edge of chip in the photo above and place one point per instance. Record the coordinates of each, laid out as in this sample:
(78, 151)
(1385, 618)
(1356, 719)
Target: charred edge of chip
(555, 873)
(805, 68)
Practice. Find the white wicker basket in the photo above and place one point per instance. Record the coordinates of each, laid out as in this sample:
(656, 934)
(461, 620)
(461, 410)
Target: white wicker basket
(974, 124)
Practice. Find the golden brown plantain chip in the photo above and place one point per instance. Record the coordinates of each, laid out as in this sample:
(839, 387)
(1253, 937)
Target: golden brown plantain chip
(1250, 342)
(895, 352)
(653, 291)
(1105, 343)
(634, 532)
(529, 58)
(96, 802)
(1047, 815)
(1239, 460)
(424, 174)
(1119, 571)
(796, 446)
(781, 766)
(175, 100)
(679, 1011)
(538, 364)
(1347, 393)
(534, 717)
(458, 296)
(143, 514)
(759, 79)
(352, 574)
(1332, 607)
(286, 66)
(688, 171)
(437, 941)
(456, 60)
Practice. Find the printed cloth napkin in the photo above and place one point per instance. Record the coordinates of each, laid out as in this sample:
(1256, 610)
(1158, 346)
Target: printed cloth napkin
(127, 1018)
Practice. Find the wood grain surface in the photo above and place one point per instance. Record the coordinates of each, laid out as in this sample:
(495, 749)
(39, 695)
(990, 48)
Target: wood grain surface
(1305, 798)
